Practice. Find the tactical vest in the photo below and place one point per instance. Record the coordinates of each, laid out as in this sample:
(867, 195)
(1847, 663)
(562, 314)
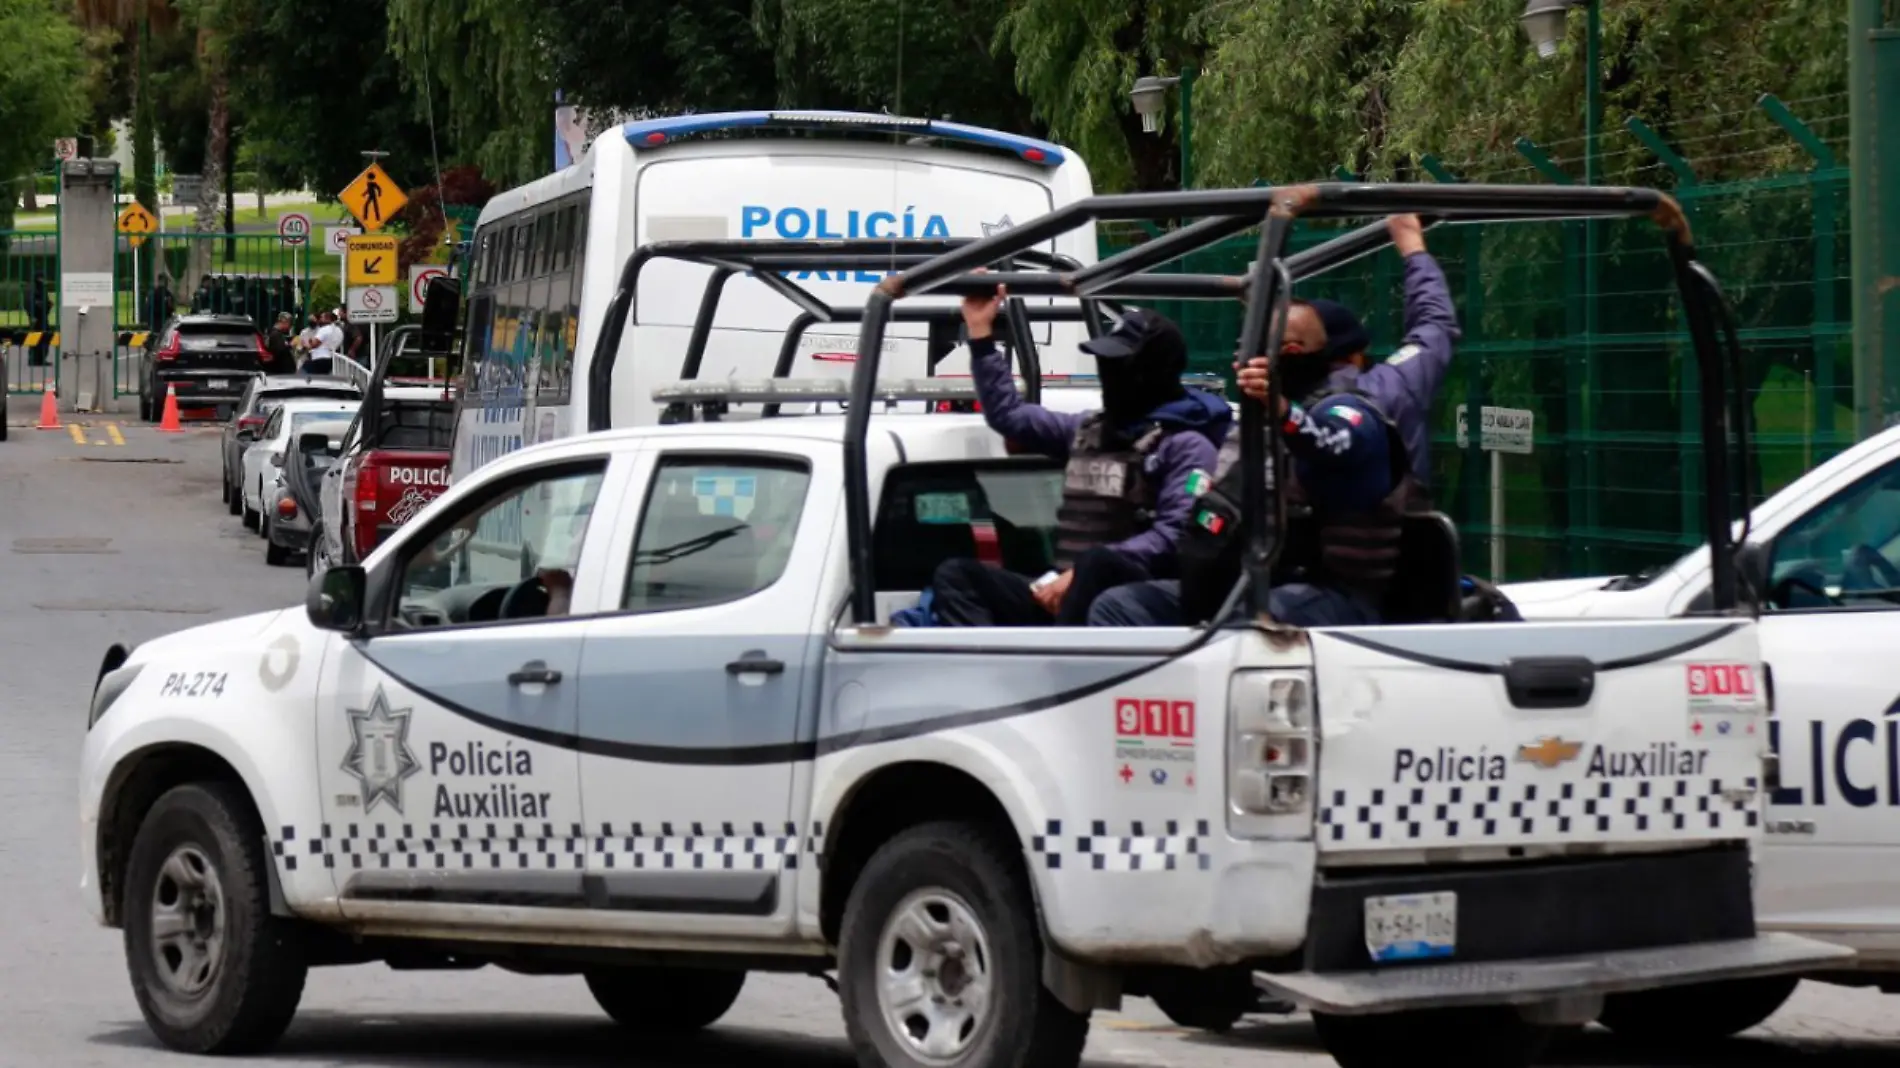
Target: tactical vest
(1357, 551)
(1106, 495)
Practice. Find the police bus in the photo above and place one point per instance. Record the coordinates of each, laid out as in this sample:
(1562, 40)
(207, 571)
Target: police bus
(547, 255)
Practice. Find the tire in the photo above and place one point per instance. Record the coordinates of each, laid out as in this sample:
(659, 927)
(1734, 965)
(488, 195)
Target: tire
(667, 1001)
(313, 551)
(251, 519)
(960, 884)
(202, 843)
(274, 554)
(1677, 1015)
(234, 502)
(1491, 1037)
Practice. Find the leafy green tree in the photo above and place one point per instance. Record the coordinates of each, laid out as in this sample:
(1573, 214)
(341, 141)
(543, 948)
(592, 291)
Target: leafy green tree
(488, 60)
(42, 87)
(1075, 62)
(135, 21)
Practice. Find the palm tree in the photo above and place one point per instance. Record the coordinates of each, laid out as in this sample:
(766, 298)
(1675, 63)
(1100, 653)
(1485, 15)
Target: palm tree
(139, 19)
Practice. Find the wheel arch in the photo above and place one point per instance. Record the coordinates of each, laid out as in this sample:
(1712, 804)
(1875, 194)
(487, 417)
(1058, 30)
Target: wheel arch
(892, 797)
(139, 780)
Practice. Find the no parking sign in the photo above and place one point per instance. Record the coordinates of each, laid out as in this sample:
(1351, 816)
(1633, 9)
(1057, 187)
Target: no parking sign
(420, 274)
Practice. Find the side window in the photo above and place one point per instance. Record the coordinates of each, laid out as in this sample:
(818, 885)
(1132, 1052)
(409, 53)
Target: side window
(1844, 554)
(1002, 511)
(714, 529)
(526, 530)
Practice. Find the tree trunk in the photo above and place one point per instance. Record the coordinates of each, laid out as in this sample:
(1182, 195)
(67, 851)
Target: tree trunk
(30, 193)
(218, 121)
(144, 125)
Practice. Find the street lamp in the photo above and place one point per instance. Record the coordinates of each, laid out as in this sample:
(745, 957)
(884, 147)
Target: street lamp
(1149, 94)
(1544, 23)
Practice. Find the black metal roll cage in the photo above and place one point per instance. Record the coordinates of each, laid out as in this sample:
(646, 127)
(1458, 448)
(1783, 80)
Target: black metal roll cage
(958, 267)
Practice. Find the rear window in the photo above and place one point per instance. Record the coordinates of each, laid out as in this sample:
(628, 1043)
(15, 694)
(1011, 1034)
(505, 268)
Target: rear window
(932, 512)
(215, 336)
(416, 424)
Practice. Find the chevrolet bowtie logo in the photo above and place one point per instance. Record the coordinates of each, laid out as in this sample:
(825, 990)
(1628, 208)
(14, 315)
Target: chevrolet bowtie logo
(1549, 752)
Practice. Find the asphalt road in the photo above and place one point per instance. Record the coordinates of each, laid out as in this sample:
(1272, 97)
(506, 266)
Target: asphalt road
(104, 542)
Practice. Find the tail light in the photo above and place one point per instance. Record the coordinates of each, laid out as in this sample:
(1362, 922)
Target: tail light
(286, 508)
(369, 476)
(252, 423)
(1270, 744)
(170, 351)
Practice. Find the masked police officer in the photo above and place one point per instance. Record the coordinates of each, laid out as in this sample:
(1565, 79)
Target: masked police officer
(1324, 366)
(1124, 494)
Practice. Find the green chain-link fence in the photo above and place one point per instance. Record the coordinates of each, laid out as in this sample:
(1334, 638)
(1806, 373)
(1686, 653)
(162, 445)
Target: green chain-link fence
(1614, 482)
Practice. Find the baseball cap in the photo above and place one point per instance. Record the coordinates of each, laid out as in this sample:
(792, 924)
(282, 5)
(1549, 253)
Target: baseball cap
(1345, 334)
(1144, 333)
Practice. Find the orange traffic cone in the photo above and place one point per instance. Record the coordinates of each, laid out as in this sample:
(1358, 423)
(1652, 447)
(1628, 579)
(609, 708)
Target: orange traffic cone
(49, 410)
(168, 424)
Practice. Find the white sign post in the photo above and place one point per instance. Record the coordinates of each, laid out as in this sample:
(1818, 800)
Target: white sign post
(1501, 430)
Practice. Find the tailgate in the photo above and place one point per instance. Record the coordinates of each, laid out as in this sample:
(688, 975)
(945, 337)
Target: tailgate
(406, 481)
(1632, 733)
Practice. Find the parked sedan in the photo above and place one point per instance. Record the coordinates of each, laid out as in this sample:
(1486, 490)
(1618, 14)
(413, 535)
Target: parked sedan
(262, 396)
(265, 457)
(292, 517)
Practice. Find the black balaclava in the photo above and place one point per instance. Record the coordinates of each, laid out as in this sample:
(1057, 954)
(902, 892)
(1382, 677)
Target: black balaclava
(1304, 374)
(1140, 363)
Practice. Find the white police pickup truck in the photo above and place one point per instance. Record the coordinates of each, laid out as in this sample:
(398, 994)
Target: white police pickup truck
(650, 747)
(1824, 553)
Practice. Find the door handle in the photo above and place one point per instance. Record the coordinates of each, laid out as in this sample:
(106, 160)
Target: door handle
(1550, 681)
(755, 665)
(534, 671)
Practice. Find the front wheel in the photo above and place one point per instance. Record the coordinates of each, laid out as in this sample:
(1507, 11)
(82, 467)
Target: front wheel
(274, 554)
(212, 969)
(673, 1001)
(1490, 1037)
(940, 959)
(1676, 1015)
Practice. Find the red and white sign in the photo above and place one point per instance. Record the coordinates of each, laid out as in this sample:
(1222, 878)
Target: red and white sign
(1154, 718)
(420, 275)
(66, 148)
(294, 229)
(1728, 684)
(336, 239)
(1154, 743)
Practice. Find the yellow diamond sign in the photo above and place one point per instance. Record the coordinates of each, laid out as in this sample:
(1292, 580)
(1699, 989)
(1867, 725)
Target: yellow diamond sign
(135, 222)
(374, 198)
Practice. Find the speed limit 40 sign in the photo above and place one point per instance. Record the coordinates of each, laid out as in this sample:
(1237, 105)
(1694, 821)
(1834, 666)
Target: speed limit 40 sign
(294, 229)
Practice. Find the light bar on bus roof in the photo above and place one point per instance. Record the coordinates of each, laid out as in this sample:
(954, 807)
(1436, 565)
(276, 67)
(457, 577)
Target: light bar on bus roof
(651, 133)
(808, 391)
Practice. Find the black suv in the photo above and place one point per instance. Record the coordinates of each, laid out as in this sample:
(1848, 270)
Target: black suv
(207, 359)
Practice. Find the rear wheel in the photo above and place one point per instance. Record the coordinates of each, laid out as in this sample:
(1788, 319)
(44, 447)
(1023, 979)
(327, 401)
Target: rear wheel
(1676, 1015)
(233, 500)
(672, 1001)
(1206, 1000)
(274, 554)
(1491, 1037)
(940, 959)
(212, 969)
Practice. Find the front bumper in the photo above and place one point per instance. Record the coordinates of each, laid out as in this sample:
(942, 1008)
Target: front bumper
(1529, 982)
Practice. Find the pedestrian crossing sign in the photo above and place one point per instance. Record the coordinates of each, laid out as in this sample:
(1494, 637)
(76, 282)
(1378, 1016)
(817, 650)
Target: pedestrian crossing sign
(374, 198)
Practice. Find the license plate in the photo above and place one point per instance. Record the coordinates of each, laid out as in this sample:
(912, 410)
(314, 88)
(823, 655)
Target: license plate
(218, 383)
(1412, 926)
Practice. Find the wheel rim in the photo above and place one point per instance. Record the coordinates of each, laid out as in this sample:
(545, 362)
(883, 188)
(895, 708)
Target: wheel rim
(934, 975)
(188, 919)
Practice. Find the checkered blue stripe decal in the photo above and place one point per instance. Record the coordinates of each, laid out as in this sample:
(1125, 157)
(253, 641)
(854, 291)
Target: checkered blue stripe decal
(1383, 815)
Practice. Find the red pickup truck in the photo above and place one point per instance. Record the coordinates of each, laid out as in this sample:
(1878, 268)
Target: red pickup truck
(393, 461)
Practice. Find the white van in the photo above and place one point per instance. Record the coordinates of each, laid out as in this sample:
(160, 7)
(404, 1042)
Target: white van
(548, 255)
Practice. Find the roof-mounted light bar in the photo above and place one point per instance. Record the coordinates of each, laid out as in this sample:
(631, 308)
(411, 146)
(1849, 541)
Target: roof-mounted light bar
(652, 133)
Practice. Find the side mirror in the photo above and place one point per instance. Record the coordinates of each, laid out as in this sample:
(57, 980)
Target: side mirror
(314, 442)
(247, 434)
(335, 599)
(441, 309)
